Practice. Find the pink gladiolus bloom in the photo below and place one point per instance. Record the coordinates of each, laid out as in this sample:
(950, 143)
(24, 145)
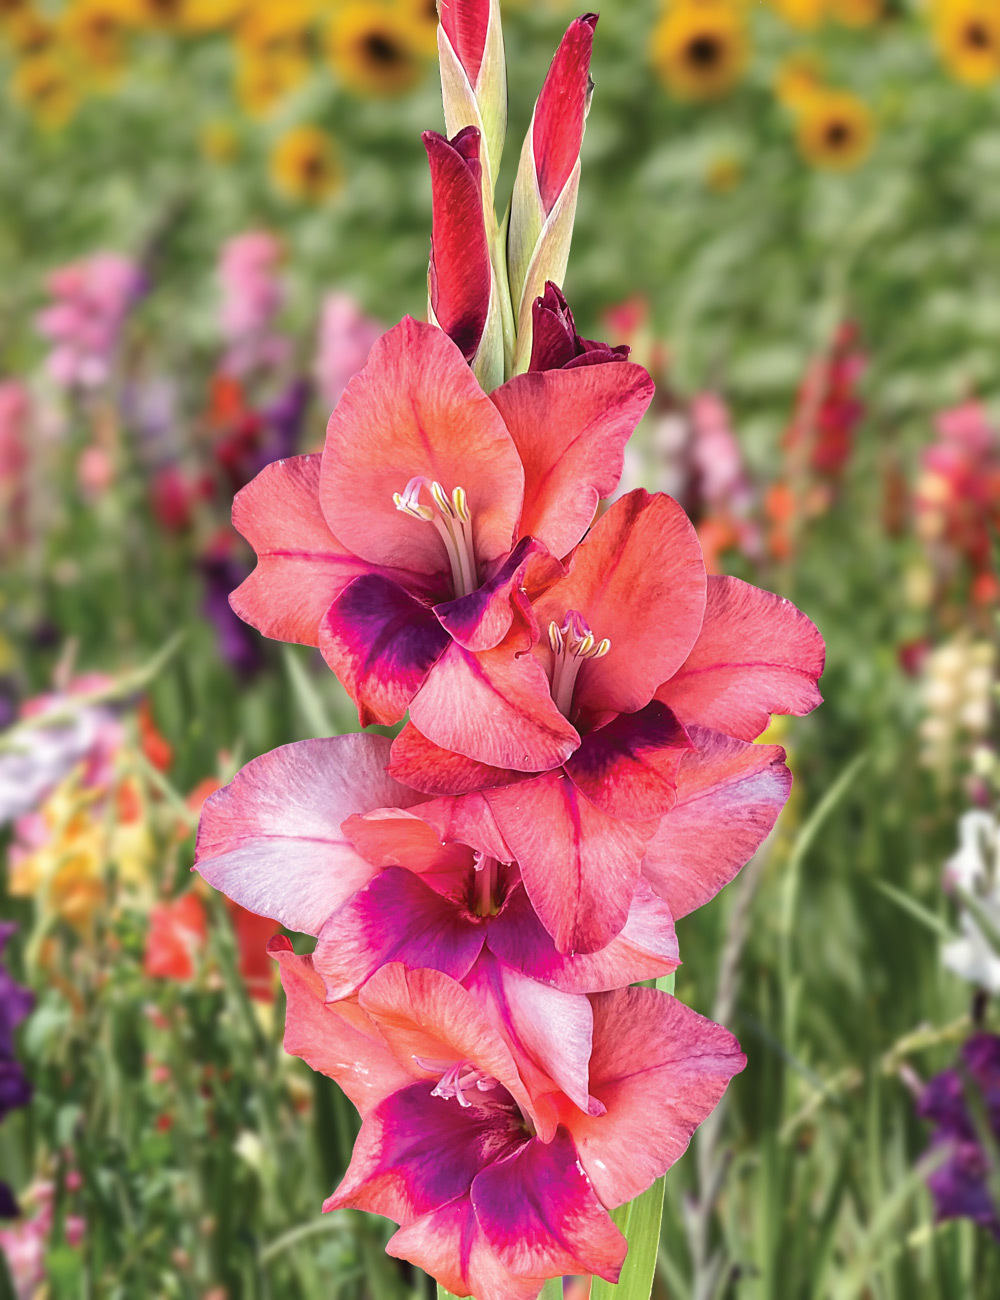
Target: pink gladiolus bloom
(91, 301)
(409, 552)
(346, 337)
(625, 639)
(437, 891)
(252, 297)
(24, 1243)
(493, 1197)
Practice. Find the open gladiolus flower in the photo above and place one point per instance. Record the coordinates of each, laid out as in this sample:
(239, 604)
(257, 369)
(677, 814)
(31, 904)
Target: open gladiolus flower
(410, 550)
(418, 886)
(718, 655)
(490, 1201)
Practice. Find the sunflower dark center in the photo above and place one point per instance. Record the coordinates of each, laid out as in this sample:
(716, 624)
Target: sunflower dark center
(704, 51)
(313, 167)
(838, 135)
(978, 37)
(382, 49)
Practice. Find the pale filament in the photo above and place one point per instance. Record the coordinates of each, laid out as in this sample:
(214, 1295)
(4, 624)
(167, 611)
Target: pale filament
(572, 645)
(487, 875)
(450, 516)
(456, 1078)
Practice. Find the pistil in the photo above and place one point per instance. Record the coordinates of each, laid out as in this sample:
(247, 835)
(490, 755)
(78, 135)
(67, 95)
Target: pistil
(450, 516)
(572, 645)
(487, 877)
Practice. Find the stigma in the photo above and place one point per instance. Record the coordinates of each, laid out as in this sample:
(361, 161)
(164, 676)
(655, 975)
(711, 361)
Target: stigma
(457, 1078)
(572, 645)
(451, 517)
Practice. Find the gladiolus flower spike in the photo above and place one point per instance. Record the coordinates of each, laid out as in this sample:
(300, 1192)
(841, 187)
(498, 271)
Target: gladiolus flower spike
(577, 765)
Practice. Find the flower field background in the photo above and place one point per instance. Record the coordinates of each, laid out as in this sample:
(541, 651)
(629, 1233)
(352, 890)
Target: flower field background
(209, 211)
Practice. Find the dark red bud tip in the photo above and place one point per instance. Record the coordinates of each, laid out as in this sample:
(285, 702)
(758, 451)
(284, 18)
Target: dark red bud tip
(562, 109)
(466, 24)
(280, 943)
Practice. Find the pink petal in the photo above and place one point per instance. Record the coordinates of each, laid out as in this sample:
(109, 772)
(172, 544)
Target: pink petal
(660, 1069)
(271, 839)
(729, 794)
(645, 949)
(381, 642)
(416, 1153)
(557, 128)
(449, 1245)
(538, 1210)
(629, 768)
(418, 762)
(393, 837)
(395, 918)
(301, 567)
(427, 1014)
(493, 707)
(756, 655)
(579, 866)
(570, 429)
(481, 620)
(460, 272)
(467, 819)
(638, 578)
(548, 1031)
(417, 410)
(339, 1041)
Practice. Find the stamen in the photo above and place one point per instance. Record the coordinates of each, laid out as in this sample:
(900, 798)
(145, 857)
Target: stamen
(456, 1077)
(453, 521)
(572, 645)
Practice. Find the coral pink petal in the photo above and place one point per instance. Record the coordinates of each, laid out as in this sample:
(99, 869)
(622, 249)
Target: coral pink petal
(638, 578)
(395, 918)
(729, 795)
(629, 768)
(338, 1041)
(561, 111)
(579, 866)
(756, 655)
(494, 707)
(416, 1153)
(418, 762)
(539, 1212)
(469, 820)
(570, 429)
(301, 567)
(645, 949)
(416, 410)
(381, 642)
(271, 839)
(426, 1013)
(481, 620)
(394, 837)
(660, 1069)
(450, 1245)
(548, 1030)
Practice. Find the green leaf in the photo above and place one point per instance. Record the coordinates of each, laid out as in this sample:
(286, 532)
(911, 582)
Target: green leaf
(639, 1221)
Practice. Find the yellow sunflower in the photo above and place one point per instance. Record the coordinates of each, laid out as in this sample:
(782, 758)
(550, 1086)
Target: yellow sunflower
(856, 13)
(835, 130)
(167, 14)
(213, 15)
(94, 31)
(968, 37)
(47, 89)
(305, 164)
(421, 18)
(374, 48)
(700, 47)
(279, 30)
(799, 78)
(805, 14)
(29, 34)
(263, 80)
